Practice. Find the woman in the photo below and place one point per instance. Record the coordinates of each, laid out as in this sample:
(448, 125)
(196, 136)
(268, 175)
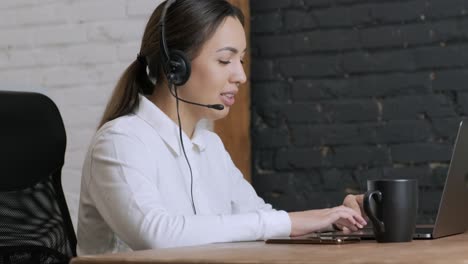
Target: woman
(152, 178)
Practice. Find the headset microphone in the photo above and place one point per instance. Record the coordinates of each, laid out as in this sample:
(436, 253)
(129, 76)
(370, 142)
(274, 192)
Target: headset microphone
(212, 106)
(217, 106)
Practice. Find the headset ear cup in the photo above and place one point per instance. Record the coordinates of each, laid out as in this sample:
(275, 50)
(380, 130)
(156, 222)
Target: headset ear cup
(180, 69)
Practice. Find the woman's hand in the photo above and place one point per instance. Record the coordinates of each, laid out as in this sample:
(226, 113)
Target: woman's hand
(315, 220)
(355, 202)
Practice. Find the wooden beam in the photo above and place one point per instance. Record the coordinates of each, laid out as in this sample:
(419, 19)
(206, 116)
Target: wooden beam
(234, 130)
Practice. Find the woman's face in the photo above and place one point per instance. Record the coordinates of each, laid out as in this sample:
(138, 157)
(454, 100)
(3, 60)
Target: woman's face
(217, 71)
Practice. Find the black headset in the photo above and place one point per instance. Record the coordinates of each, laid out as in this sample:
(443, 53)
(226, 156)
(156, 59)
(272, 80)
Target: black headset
(177, 69)
(175, 64)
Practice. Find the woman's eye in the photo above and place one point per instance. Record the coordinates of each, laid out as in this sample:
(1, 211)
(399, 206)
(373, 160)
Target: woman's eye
(224, 62)
(242, 62)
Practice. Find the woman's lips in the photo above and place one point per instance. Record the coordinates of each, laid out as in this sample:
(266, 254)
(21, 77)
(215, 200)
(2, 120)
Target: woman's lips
(228, 98)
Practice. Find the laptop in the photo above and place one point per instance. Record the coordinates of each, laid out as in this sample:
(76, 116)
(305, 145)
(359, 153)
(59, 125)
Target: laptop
(452, 216)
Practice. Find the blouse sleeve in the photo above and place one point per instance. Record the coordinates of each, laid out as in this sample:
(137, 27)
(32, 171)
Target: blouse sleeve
(121, 186)
(246, 200)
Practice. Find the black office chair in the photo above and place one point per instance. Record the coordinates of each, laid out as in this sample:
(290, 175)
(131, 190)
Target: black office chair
(35, 225)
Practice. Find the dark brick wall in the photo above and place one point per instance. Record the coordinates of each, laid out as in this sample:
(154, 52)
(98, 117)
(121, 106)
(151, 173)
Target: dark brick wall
(349, 90)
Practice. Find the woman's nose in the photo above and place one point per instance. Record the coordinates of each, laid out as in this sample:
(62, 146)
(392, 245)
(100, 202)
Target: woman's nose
(239, 75)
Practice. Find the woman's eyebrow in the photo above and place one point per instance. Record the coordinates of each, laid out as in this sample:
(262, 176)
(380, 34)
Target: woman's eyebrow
(231, 49)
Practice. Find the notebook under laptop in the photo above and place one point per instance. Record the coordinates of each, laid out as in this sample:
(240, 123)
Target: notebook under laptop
(452, 216)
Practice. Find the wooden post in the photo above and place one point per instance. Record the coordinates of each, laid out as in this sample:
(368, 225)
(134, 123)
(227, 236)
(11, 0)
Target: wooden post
(234, 130)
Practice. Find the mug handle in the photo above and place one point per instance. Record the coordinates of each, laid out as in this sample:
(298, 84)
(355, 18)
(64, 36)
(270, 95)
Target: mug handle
(379, 225)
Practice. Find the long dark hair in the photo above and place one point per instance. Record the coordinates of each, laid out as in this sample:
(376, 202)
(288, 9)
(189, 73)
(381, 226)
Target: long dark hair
(189, 24)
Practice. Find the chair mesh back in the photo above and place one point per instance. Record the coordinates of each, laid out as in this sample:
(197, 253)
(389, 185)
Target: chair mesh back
(32, 254)
(32, 217)
(35, 225)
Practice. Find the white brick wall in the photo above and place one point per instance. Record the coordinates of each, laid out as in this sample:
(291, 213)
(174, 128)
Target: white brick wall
(74, 51)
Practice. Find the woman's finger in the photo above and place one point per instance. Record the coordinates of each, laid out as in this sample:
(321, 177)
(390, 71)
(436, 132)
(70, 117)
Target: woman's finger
(346, 230)
(345, 219)
(356, 216)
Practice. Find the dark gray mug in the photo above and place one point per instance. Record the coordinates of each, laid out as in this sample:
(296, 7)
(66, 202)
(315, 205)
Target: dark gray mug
(392, 206)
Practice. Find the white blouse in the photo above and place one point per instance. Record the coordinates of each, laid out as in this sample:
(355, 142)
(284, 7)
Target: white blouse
(135, 190)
